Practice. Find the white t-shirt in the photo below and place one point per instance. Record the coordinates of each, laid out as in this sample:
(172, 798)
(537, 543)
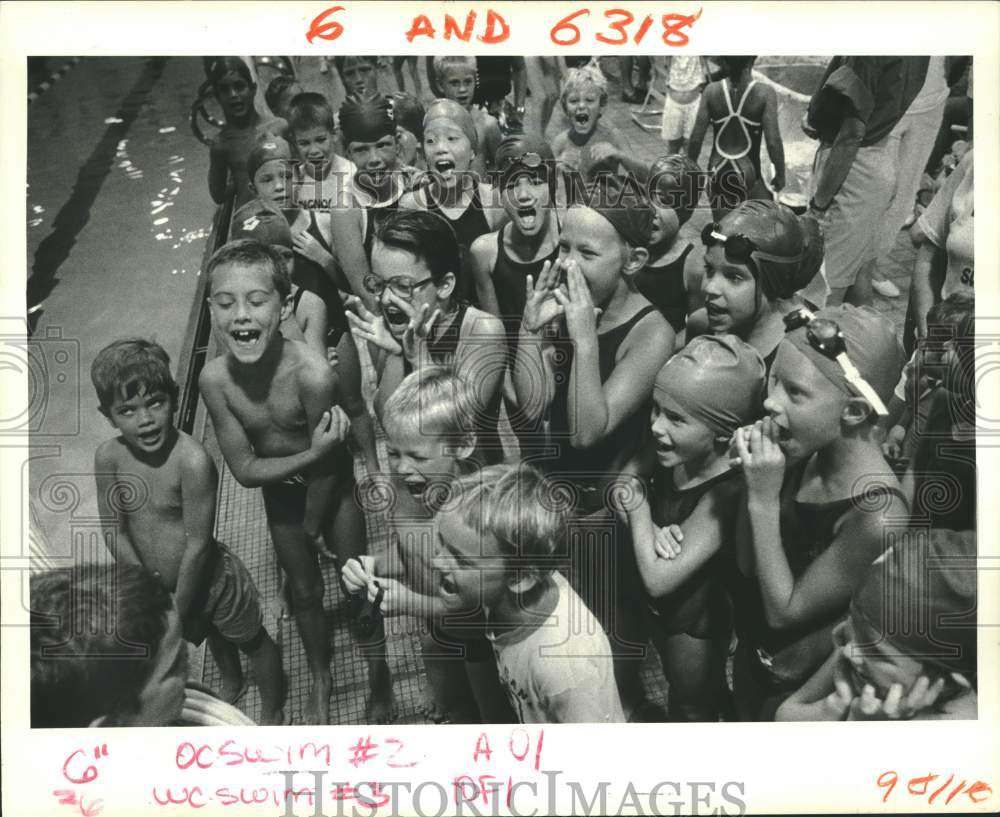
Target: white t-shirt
(562, 670)
(948, 222)
(323, 194)
(686, 73)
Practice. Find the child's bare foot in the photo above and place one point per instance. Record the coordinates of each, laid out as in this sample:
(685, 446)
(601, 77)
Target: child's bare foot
(381, 707)
(434, 712)
(233, 688)
(279, 717)
(318, 709)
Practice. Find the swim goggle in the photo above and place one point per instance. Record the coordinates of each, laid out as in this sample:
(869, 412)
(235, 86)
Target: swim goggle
(740, 249)
(824, 335)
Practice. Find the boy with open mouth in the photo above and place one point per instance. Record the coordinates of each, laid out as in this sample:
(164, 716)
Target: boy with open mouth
(430, 440)
(496, 544)
(584, 96)
(274, 407)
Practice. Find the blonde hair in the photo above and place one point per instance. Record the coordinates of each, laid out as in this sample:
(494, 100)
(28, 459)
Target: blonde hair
(519, 507)
(431, 401)
(588, 74)
(442, 64)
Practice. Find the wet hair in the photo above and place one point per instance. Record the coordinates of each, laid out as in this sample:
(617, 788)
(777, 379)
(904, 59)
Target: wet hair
(247, 253)
(432, 401)
(275, 89)
(95, 631)
(124, 367)
(734, 66)
(442, 64)
(576, 78)
(366, 119)
(221, 66)
(310, 110)
(519, 507)
(425, 235)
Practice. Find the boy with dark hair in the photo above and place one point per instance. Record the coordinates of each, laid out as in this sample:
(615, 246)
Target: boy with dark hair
(280, 92)
(274, 407)
(235, 89)
(496, 545)
(923, 666)
(170, 532)
(359, 74)
(106, 648)
(322, 176)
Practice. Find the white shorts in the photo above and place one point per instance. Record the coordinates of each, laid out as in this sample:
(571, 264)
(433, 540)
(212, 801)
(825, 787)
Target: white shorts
(678, 119)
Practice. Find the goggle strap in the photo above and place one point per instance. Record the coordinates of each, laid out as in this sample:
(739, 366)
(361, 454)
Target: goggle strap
(855, 379)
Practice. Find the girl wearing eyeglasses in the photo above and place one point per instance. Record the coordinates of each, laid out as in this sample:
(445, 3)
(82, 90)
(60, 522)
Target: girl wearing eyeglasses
(421, 319)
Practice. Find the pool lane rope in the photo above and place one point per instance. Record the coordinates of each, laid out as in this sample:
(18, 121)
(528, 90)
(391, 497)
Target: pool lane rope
(53, 78)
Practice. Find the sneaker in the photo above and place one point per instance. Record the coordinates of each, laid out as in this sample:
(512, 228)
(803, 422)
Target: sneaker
(886, 288)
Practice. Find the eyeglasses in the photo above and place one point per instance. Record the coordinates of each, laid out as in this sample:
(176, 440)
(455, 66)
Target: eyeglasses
(825, 337)
(740, 249)
(403, 287)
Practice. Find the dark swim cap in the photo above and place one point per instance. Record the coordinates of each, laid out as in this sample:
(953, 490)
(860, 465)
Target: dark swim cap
(778, 232)
(871, 344)
(258, 219)
(522, 153)
(624, 204)
(673, 181)
(367, 119)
